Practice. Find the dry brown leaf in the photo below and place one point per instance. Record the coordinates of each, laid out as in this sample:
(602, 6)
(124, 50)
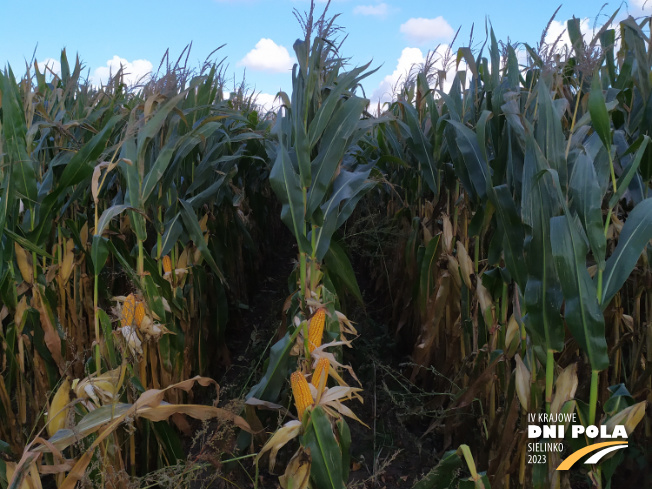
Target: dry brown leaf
(50, 334)
(565, 387)
(466, 265)
(522, 383)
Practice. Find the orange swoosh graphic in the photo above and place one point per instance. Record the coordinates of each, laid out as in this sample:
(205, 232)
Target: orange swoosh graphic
(575, 456)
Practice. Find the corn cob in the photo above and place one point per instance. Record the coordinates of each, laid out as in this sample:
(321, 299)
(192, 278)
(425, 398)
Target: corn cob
(301, 392)
(316, 330)
(140, 313)
(129, 310)
(59, 408)
(321, 370)
(167, 264)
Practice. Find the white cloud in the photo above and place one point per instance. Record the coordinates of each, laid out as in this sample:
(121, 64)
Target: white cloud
(378, 10)
(414, 58)
(557, 29)
(268, 56)
(409, 58)
(136, 71)
(49, 65)
(267, 101)
(641, 6)
(422, 30)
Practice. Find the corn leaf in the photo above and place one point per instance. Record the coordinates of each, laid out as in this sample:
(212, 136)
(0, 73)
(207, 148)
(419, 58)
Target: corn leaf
(444, 475)
(269, 387)
(339, 265)
(513, 233)
(194, 231)
(478, 170)
(634, 237)
(583, 315)
(587, 202)
(287, 187)
(326, 469)
(336, 140)
(13, 125)
(543, 294)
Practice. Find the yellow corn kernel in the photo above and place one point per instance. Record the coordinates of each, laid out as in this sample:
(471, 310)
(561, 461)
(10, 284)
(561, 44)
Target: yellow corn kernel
(316, 329)
(167, 264)
(301, 392)
(321, 370)
(140, 313)
(129, 310)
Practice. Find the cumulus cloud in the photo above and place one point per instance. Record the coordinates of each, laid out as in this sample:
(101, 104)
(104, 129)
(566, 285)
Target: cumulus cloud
(557, 29)
(268, 56)
(49, 66)
(413, 59)
(421, 31)
(409, 58)
(641, 6)
(267, 101)
(136, 71)
(378, 10)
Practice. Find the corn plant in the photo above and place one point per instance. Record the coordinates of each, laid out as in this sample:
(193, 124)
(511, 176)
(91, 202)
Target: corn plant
(105, 236)
(318, 177)
(522, 241)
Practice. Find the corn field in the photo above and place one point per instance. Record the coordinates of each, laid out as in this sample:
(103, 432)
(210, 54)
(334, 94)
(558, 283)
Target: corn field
(196, 293)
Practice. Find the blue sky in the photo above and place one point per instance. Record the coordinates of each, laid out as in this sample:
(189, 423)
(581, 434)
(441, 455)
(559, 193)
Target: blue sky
(259, 33)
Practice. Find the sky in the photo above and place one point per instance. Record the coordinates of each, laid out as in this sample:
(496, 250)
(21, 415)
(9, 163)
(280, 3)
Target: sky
(258, 34)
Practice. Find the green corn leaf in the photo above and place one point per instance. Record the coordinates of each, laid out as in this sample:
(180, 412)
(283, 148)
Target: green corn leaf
(583, 315)
(348, 188)
(575, 35)
(285, 183)
(25, 243)
(154, 124)
(543, 295)
(338, 264)
(154, 297)
(626, 177)
(99, 253)
(78, 168)
(173, 230)
(599, 115)
(426, 280)
(478, 170)
(335, 142)
(326, 468)
(634, 237)
(420, 146)
(513, 233)
(549, 133)
(346, 81)
(444, 475)
(344, 437)
(107, 335)
(191, 223)
(13, 127)
(587, 202)
(156, 172)
(269, 387)
(107, 215)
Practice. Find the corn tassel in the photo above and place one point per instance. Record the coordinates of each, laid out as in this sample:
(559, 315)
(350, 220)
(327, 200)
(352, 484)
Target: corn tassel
(316, 330)
(321, 371)
(301, 392)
